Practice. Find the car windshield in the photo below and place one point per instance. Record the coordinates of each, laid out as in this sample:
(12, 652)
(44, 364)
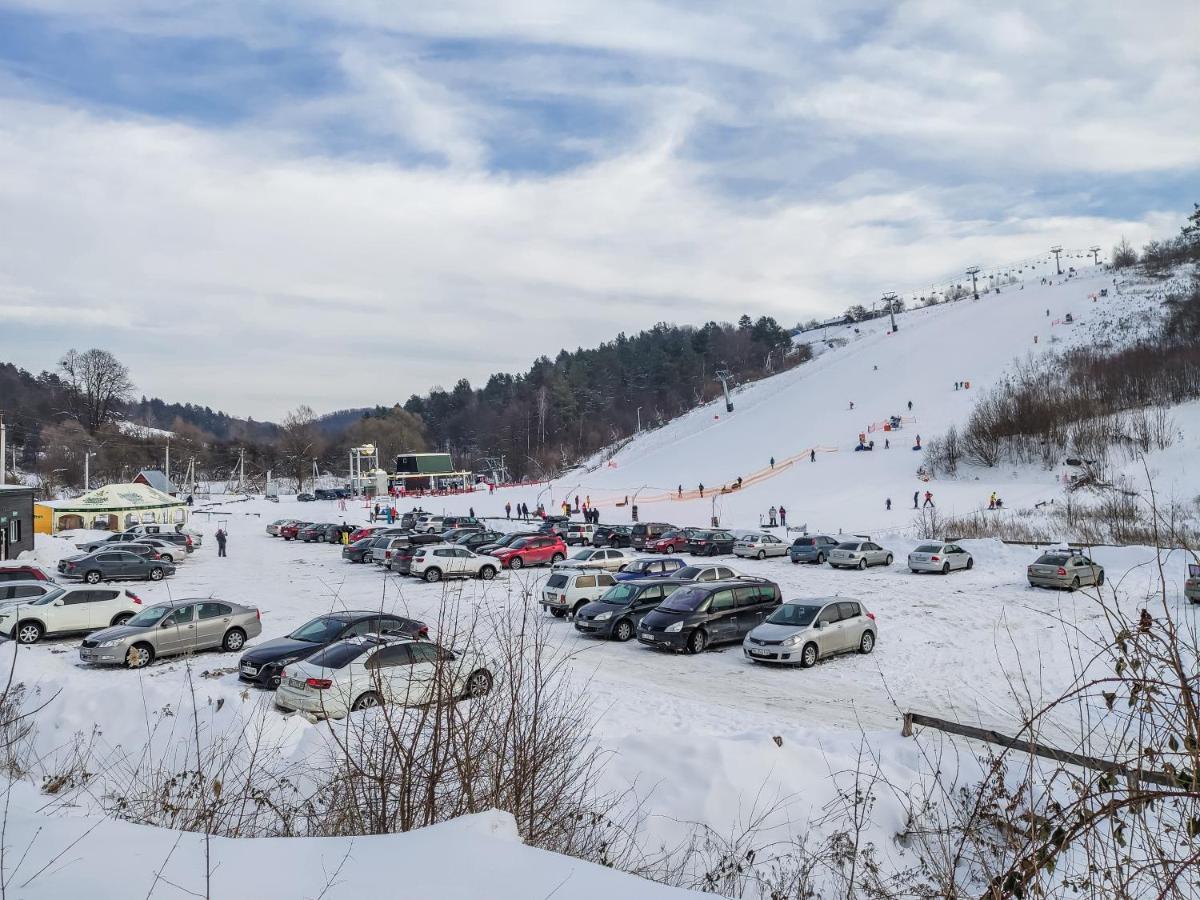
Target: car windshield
(318, 631)
(619, 595)
(151, 616)
(689, 572)
(686, 600)
(1053, 559)
(848, 545)
(793, 614)
(48, 597)
(335, 656)
(929, 548)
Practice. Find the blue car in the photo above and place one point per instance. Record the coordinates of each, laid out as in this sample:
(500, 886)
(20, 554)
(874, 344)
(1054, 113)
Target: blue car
(651, 567)
(811, 548)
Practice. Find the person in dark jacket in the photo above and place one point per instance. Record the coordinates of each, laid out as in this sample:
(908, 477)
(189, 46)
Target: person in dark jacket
(916, 498)
(222, 537)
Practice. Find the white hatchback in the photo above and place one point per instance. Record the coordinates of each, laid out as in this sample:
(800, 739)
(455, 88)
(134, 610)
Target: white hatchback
(363, 672)
(72, 609)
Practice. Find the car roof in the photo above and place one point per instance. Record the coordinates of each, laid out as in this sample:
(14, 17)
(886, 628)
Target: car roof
(819, 601)
(33, 581)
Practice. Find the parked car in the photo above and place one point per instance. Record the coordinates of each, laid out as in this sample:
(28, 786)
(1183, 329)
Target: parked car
(72, 609)
(451, 535)
(17, 591)
(569, 591)
(591, 558)
(674, 541)
(10, 571)
(617, 613)
(273, 528)
(331, 494)
(172, 628)
(184, 540)
(704, 573)
(759, 545)
(318, 531)
(364, 531)
(532, 551)
(438, 561)
(429, 524)
(645, 532)
(449, 522)
(580, 533)
(613, 536)
(382, 549)
(704, 542)
(110, 565)
(288, 532)
(363, 672)
(506, 540)
(359, 551)
(153, 529)
(800, 632)
(1068, 569)
(166, 550)
(305, 498)
(475, 540)
(130, 546)
(696, 616)
(95, 544)
(1191, 586)
(859, 555)
(651, 567)
(263, 664)
(939, 556)
(812, 548)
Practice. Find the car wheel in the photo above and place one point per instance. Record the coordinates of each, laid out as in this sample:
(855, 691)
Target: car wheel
(487, 573)
(235, 640)
(762, 554)
(820, 559)
(1075, 583)
(167, 557)
(945, 568)
(712, 551)
(515, 563)
(432, 575)
(808, 656)
(862, 564)
(557, 557)
(139, 656)
(888, 561)
(697, 641)
(479, 684)
(795, 562)
(623, 630)
(557, 613)
(970, 562)
(121, 618)
(29, 633)
(92, 577)
(156, 574)
(1100, 580)
(867, 643)
(368, 700)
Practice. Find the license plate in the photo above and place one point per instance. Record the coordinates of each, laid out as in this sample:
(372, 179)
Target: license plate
(249, 670)
(759, 653)
(86, 654)
(295, 683)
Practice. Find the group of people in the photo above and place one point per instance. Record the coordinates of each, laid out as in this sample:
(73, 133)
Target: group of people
(388, 513)
(777, 517)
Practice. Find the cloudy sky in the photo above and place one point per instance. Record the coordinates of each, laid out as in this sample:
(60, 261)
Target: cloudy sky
(263, 204)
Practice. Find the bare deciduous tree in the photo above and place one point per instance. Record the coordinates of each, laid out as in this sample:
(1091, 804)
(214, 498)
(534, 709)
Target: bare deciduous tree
(98, 384)
(299, 442)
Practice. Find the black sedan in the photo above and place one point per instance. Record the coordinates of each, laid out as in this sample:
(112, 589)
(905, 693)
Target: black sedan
(475, 539)
(710, 543)
(261, 665)
(360, 550)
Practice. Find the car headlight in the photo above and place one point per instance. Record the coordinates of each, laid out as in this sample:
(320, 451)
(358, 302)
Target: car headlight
(111, 643)
(678, 626)
(792, 641)
(603, 617)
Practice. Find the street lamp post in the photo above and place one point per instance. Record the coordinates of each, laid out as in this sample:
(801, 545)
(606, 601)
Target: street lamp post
(639, 415)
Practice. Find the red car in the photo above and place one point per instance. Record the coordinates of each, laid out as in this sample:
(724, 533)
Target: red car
(365, 531)
(671, 542)
(532, 551)
(289, 532)
(23, 572)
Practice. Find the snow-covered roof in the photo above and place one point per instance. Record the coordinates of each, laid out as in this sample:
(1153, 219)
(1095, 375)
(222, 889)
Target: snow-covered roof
(114, 498)
(157, 480)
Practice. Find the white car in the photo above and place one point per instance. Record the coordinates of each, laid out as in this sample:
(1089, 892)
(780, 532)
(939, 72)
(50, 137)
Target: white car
(702, 572)
(362, 672)
(939, 556)
(859, 555)
(569, 591)
(167, 550)
(430, 524)
(433, 562)
(73, 609)
(590, 558)
(759, 546)
(579, 533)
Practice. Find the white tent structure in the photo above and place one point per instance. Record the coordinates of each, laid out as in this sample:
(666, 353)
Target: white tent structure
(113, 507)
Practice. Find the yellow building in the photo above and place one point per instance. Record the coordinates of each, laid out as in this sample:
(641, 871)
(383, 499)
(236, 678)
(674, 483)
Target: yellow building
(113, 507)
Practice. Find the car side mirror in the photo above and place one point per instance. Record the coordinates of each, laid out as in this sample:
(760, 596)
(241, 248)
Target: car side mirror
(58, 603)
(823, 624)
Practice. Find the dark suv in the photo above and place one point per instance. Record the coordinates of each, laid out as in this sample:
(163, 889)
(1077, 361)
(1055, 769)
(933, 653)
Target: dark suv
(645, 532)
(711, 612)
(612, 536)
(616, 614)
(811, 548)
(262, 665)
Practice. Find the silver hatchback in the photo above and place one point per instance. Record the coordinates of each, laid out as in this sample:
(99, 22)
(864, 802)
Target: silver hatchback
(859, 555)
(800, 632)
(171, 629)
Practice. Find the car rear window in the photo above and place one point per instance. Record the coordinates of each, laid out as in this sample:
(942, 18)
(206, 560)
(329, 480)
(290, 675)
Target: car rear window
(556, 581)
(928, 548)
(1053, 559)
(848, 545)
(802, 542)
(335, 656)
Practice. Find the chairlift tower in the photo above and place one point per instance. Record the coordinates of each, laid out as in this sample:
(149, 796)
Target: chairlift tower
(974, 273)
(1095, 251)
(725, 377)
(1056, 250)
(890, 299)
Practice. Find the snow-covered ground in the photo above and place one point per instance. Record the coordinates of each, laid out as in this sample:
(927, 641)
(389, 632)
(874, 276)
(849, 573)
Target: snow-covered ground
(697, 735)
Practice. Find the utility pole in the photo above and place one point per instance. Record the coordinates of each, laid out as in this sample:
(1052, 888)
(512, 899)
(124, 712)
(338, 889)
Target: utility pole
(639, 414)
(974, 273)
(242, 469)
(1095, 251)
(3, 444)
(1056, 250)
(87, 470)
(168, 463)
(890, 299)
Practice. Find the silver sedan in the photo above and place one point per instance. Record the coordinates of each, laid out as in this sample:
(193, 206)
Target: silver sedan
(607, 559)
(939, 557)
(859, 555)
(171, 629)
(759, 546)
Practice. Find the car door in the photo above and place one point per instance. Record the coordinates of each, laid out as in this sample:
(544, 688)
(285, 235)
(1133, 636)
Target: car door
(852, 623)
(75, 614)
(103, 604)
(176, 633)
(721, 624)
(751, 609)
(957, 556)
(604, 580)
(389, 674)
(646, 601)
(614, 560)
(212, 621)
(828, 635)
(110, 564)
(1089, 571)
